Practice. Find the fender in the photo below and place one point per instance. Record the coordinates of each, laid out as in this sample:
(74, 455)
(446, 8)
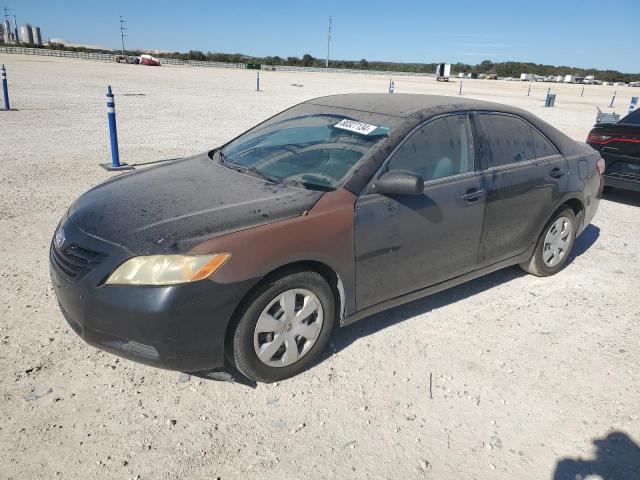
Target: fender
(324, 234)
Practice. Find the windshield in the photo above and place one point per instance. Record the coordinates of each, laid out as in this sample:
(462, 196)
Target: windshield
(313, 151)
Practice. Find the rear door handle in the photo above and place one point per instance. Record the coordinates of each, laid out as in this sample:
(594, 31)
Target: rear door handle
(472, 195)
(557, 172)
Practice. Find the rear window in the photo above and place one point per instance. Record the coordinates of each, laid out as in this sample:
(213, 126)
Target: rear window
(632, 119)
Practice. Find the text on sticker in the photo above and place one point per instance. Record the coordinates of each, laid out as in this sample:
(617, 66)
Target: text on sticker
(356, 127)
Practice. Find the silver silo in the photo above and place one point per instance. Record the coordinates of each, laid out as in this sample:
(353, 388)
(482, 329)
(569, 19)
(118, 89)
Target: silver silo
(35, 35)
(25, 34)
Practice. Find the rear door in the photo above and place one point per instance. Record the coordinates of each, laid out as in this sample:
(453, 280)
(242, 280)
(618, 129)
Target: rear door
(524, 175)
(407, 242)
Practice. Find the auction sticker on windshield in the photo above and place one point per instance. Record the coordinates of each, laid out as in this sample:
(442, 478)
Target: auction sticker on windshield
(356, 127)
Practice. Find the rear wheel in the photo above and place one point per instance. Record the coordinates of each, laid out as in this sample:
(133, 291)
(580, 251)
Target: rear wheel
(554, 245)
(284, 326)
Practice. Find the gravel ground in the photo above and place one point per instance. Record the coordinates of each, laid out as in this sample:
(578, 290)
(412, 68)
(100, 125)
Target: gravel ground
(503, 377)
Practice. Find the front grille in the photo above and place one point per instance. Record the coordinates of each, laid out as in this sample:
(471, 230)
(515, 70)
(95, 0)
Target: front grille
(74, 262)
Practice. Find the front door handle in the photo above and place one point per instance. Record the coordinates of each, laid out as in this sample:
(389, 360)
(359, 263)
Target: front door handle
(472, 195)
(557, 172)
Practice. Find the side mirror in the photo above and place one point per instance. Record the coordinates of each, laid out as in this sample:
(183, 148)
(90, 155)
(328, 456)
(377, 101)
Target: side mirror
(399, 182)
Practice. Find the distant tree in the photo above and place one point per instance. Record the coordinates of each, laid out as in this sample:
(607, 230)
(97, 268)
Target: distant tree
(307, 60)
(364, 64)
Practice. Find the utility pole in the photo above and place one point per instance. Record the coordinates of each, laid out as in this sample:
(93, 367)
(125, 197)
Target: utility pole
(5, 26)
(328, 41)
(123, 22)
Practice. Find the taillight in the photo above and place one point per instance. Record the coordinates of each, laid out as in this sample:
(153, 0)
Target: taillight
(600, 166)
(598, 138)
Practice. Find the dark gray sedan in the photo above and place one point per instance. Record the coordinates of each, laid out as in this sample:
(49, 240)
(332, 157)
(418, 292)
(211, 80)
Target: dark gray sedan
(330, 211)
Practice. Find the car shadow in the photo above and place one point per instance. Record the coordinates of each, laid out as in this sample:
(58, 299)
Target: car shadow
(587, 238)
(342, 338)
(628, 197)
(617, 457)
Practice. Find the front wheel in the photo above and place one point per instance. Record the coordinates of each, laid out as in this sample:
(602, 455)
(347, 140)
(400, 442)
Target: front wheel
(554, 245)
(285, 325)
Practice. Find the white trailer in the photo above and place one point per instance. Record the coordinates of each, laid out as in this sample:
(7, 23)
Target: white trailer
(527, 77)
(569, 79)
(443, 71)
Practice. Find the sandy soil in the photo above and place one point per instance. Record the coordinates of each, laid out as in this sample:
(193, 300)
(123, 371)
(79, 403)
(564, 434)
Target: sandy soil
(524, 372)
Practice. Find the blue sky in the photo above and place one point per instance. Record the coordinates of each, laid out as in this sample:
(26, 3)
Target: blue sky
(576, 33)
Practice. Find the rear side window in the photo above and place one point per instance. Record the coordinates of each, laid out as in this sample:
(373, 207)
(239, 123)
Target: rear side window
(542, 146)
(441, 148)
(505, 139)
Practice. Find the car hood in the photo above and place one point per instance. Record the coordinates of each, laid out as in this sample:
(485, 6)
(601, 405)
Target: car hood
(174, 206)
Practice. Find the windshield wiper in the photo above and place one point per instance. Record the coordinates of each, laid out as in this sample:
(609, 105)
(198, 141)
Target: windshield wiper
(257, 172)
(308, 185)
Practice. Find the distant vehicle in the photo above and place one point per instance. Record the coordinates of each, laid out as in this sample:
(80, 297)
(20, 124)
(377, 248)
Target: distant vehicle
(573, 79)
(619, 145)
(127, 59)
(492, 76)
(149, 60)
(331, 211)
(634, 84)
(527, 77)
(443, 71)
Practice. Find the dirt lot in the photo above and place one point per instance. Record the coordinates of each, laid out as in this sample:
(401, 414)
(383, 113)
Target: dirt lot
(503, 377)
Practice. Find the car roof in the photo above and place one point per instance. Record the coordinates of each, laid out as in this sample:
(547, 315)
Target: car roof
(405, 105)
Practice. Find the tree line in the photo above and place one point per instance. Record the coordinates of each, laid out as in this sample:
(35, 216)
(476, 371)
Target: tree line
(502, 69)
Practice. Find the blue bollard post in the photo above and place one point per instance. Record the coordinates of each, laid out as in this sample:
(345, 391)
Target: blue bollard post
(113, 134)
(460, 92)
(613, 99)
(5, 88)
(257, 81)
(529, 91)
(582, 92)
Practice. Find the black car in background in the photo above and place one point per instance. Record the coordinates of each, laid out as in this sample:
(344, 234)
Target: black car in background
(619, 145)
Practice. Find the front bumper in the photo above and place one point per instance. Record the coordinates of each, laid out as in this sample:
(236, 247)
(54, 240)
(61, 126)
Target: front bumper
(178, 327)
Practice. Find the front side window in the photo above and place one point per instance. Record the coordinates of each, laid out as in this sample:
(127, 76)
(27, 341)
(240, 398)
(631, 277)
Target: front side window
(313, 151)
(505, 139)
(441, 148)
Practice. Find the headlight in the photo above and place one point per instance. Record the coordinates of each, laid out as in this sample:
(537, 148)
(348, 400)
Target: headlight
(166, 269)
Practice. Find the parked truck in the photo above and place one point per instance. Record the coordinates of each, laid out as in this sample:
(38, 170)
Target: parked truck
(443, 71)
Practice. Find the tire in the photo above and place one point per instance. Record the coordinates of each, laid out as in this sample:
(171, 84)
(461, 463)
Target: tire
(545, 261)
(284, 325)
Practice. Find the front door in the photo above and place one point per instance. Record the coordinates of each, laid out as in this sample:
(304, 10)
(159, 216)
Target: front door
(407, 242)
